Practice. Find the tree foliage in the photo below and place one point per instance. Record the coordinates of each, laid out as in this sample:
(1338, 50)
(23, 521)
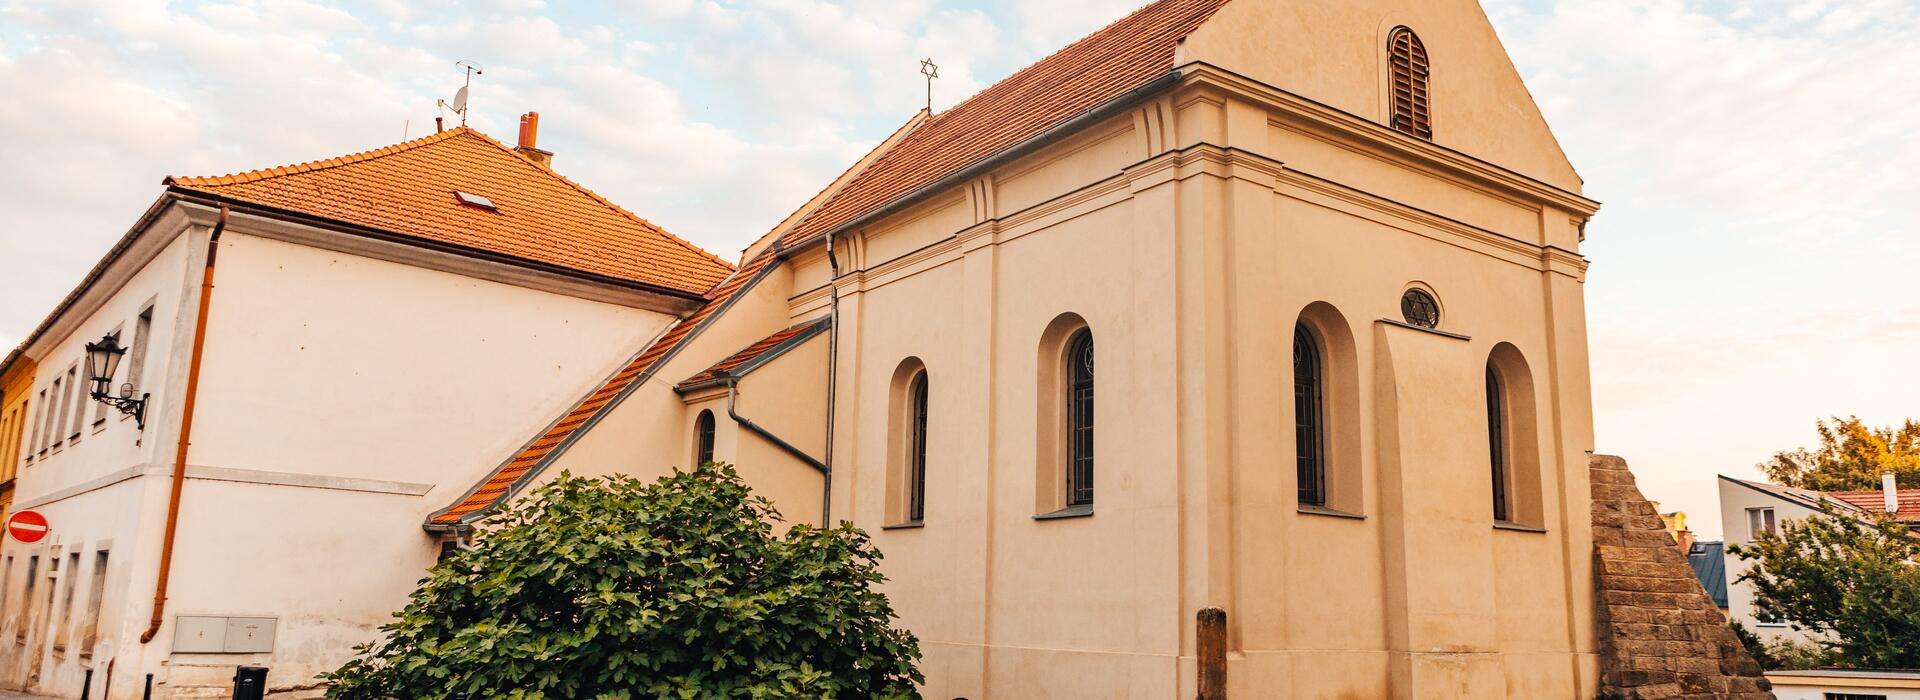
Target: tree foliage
(1852, 582)
(1851, 456)
(612, 588)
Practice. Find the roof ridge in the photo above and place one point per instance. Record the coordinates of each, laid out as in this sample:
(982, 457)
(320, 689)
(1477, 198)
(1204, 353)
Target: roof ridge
(669, 235)
(259, 174)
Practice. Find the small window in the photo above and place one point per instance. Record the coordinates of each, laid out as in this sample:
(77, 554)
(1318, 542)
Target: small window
(1309, 428)
(917, 448)
(703, 438)
(137, 355)
(1079, 372)
(1854, 696)
(1419, 308)
(96, 594)
(1497, 443)
(1407, 64)
(474, 200)
(1760, 522)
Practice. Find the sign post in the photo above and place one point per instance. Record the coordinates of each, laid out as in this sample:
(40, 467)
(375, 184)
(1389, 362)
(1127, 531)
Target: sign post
(27, 526)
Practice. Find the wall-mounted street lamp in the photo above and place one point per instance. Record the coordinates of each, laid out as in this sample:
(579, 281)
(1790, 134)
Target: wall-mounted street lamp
(102, 359)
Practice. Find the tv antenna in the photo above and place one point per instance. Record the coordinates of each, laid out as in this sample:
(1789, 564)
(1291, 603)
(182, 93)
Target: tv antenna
(459, 103)
(927, 68)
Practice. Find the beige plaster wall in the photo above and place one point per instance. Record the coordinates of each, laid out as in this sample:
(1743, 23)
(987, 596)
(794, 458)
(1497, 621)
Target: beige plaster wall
(1333, 53)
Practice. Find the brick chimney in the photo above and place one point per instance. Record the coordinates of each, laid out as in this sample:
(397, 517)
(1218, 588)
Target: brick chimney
(529, 134)
(1890, 490)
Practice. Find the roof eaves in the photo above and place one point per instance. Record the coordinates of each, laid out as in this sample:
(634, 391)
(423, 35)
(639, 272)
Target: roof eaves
(258, 209)
(92, 277)
(808, 331)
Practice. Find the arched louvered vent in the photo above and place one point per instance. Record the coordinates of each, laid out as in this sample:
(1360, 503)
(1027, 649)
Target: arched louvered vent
(1407, 59)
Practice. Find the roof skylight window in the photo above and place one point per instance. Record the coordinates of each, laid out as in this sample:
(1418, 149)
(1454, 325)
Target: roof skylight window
(474, 200)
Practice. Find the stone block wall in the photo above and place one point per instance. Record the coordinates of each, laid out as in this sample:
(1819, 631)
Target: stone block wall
(1660, 635)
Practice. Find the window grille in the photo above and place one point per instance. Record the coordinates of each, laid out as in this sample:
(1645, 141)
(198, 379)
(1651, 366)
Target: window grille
(1080, 419)
(1308, 431)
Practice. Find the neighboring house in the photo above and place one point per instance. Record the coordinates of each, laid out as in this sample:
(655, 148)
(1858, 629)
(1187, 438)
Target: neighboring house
(1327, 255)
(1676, 522)
(368, 333)
(16, 388)
(1749, 508)
(1709, 562)
(1845, 684)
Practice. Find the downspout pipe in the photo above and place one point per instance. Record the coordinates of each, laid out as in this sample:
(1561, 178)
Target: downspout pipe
(833, 378)
(186, 432)
(733, 393)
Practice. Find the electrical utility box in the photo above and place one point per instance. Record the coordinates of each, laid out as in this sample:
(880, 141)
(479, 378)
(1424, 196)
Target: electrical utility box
(210, 634)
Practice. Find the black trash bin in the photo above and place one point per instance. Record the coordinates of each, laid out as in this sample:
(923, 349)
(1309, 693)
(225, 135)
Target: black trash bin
(250, 683)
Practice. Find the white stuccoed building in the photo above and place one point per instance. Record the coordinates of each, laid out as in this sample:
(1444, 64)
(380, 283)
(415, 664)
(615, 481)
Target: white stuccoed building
(380, 328)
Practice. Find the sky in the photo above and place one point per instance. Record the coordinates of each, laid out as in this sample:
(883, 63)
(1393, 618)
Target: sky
(1752, 266)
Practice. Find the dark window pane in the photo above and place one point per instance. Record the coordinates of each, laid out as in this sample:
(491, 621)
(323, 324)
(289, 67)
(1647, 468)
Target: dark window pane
(917, 501)
(1309, 441)
(703, 438)
(1497, 442)
(1080, 419)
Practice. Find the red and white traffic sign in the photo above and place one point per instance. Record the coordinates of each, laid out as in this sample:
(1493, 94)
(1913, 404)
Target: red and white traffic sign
(27, 526)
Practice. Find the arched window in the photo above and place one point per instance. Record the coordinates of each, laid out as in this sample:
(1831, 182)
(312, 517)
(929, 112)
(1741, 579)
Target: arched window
(703, 438)
(917, 447)
(1309, 426)
(1497, 443)
(1079, 375)
(1407, 63)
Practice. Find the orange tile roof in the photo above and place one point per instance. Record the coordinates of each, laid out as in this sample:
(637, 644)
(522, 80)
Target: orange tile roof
(778, 341)
(1876, 501)
(522, 466)
(1107, 64)
(541, 217)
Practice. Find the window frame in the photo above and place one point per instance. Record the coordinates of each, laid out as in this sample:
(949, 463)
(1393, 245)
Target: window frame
(917, 412)
(1409, 84)
(1500, 458)
(1309, 417)
(1768, 519)
(1078, 379)
(703, 437)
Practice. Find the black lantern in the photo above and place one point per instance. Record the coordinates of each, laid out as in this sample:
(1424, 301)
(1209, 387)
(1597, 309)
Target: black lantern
(103, 358)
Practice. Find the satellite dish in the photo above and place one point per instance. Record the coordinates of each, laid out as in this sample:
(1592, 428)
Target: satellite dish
(460, 101)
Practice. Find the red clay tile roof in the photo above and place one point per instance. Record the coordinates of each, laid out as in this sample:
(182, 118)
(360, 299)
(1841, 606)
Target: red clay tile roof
(1117, 59)
(720, 370)
(1875, 501)
(509, 476)
(541, 217)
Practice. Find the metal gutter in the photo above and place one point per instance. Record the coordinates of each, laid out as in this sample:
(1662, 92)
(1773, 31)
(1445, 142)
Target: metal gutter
(186, 431)
(733, 393)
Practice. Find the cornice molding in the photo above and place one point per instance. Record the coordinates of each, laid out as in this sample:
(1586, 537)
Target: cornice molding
(1319, 119)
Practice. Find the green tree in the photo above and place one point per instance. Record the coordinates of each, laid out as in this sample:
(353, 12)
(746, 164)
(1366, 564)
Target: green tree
(616, 589)
(1851, 456)
(1852, 582)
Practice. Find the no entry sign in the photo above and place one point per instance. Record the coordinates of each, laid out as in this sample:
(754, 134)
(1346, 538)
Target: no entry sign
(27, 526)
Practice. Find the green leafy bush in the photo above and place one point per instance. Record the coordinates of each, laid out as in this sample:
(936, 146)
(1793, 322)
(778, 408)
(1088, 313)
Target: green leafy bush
(1851, 582)
(612, 588)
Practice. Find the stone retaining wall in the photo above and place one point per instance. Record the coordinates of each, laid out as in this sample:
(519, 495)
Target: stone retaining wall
(1660, 635)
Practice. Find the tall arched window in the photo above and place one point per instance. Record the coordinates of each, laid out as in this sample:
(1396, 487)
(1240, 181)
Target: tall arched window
(1079, 375)
(917, 447)
(1407, 64)
(1309, 427)
(1497, 443)
(703, 438)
